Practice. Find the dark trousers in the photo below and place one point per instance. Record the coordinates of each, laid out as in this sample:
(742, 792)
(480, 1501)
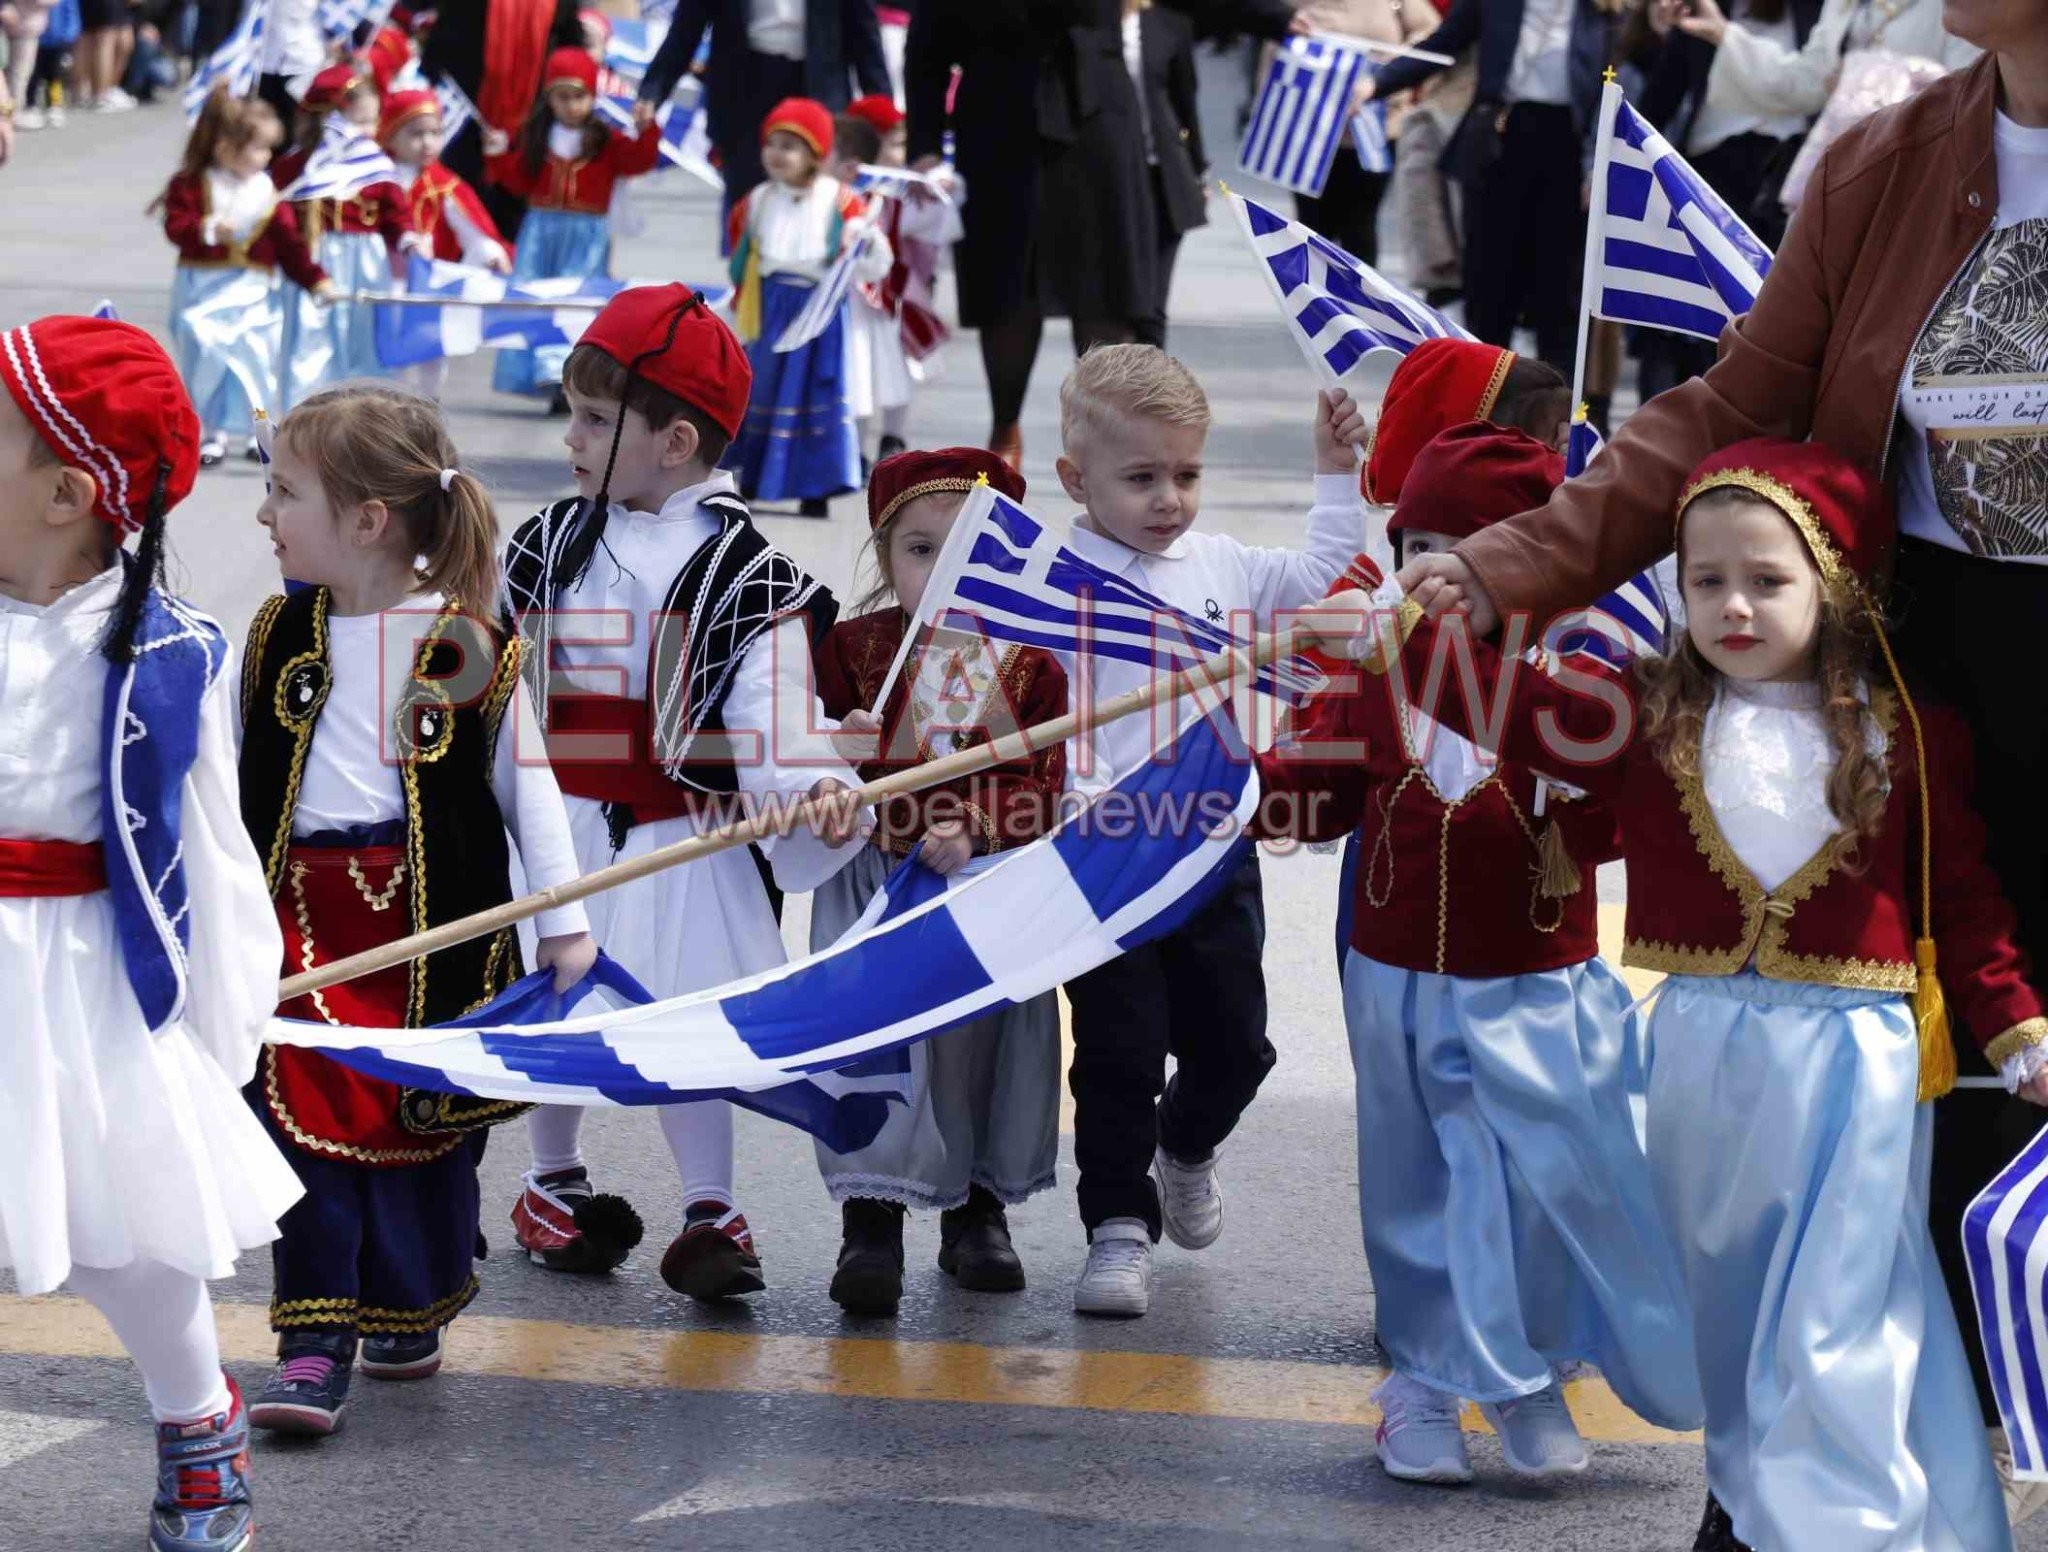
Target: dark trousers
(1199, 995)
(273, 90)
(1348, 210)
(1525, 236)
(380, 1252)
(1957, 613)
(765, 79)
(1151, 329)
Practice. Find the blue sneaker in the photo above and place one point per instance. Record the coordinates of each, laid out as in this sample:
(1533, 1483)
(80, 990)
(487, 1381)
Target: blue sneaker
(202, 1483)
(402, 1357)
(309, 1388)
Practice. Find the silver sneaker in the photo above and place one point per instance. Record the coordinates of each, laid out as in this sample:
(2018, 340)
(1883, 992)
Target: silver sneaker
(1537, 1435)
(1118, 1277)
(1419, 1437)
(1190, 1199)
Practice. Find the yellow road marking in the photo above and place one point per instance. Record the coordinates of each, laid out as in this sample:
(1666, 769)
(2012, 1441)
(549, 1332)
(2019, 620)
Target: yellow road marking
(1249, 1389)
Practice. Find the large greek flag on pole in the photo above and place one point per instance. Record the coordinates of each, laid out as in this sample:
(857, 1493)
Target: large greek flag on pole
(812, 1041)
(1302, 113)
(237, 61)
(2007, 1254)
(826, 298)
(345, 162)
(1339, 308)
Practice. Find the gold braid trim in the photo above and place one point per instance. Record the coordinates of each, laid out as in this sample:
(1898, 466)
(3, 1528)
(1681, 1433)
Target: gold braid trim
(370, 1319)
(928, 488)
(302, 735)
(979, 816)
(340, 1150)
(2023, 1036)
(1786, 500)
(253, 649)
(415, 831)
(1487, 400)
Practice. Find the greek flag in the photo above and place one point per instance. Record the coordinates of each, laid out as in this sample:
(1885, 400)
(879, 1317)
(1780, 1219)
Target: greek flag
(345, 162)
(457, 111)
(1300, 114)
(897, 182)
(106, 310)
(826, 298)
(633, 45)
(1626, 623)
(1339, 308)
(819, 1042)
(2007, 1255)
(1369, 137)
(685, 138)
(237, 61)
(341, 18)
(1662, 248)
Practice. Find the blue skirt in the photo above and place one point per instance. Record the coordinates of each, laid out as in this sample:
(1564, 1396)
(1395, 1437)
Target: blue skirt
(798, 442)
(1508, 1215)
(227, 331)
(553, 245)
(326, 345)
(1791, 1162)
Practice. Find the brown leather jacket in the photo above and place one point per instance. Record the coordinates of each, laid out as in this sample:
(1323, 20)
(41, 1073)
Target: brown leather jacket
(1896, 208)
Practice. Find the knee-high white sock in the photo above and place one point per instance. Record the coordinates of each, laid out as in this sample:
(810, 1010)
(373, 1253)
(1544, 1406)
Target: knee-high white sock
(700, 1137)
(165, 1320)
(553, 1135)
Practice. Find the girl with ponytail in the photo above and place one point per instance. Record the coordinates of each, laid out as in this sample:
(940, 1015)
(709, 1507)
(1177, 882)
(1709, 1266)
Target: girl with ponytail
(382, 723)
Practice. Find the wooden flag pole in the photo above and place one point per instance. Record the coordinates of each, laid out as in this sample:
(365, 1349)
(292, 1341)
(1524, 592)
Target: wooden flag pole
(1220, 671)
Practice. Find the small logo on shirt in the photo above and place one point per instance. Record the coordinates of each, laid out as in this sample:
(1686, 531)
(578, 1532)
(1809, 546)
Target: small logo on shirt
(1213, 610)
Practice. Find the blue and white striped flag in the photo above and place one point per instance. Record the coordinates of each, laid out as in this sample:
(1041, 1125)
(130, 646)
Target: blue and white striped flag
(457, 111)
(105, 310)
(897, 182)
(339, 19)
(826, 298)
(633, 45)
(1339, 308)
(1626, 623)
(237, 61)
(1662, 248)
(796, 1042)
(345, 162)
(1301, 113)
(1369, 137)
(2007, 1254)
(685, 138)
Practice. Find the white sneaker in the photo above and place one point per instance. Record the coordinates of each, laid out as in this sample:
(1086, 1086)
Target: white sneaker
(56, 117)
(212, 449)
(1118, 1277)
(30, 118)
(2023, 1500)
(1419, 1439)
(1537, 1435)
(114, 100)
(1190, 1199)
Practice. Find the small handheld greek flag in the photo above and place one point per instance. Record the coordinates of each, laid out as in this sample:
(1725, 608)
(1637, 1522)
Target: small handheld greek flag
(685, 138)
(826, 299)
(457, 111)
(1301, 113)
(237, 61)
(1369, 136)
(897, 182)
(2007, 1254)
(341, 18)
(1626, 623)
(345, 162)
(1339, 308)
(633, 46)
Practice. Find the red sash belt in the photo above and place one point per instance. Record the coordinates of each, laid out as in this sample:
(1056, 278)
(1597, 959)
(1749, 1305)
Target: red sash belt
(600, 748)
(44, 869)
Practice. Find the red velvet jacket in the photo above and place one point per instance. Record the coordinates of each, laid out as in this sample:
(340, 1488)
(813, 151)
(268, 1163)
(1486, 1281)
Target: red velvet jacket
(1694, 909)
(275, 244)
(1009, 805)
(1449, 887)
(432, 192)
(381, 208)
(585, 184)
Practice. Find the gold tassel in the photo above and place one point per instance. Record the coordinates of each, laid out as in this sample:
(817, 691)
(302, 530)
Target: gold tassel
(1558, 876)
(747, 305)
(1930, 1012)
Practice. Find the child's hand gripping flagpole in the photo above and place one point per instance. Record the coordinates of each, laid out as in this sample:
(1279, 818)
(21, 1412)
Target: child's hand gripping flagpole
(1213, 674)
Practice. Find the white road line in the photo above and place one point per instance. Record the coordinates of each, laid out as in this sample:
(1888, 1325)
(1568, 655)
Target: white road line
(23, 1434)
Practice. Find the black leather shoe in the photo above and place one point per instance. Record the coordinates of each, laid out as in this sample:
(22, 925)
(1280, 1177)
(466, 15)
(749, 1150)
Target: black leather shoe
(974, 1246)
(869, 1280)
(1717, 1531)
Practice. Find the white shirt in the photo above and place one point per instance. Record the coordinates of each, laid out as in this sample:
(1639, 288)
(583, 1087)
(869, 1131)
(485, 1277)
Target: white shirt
(776, 27)
(236, 205)
(1213, 577)
(292, 42)
(1728, 108)
(478, 246)
(1972, 474)
(1765, 757)
(352, 772)
(565, 142)
(1541, 71)
(1134, 62)
(792, 231)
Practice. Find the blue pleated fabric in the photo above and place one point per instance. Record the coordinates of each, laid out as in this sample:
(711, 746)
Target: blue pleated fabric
(1508, 1214)
(227, 335)
(798, 442)
(327, 345)
(1792, 1163)
(553, 245)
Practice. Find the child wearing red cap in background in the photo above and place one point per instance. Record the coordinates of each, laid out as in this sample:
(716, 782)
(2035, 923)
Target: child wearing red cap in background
(981, 1130)
(893, 335)
(1805, 866)
(358, 240)
(798, 441)
(138, 962)
(664, 627)
(566, 166)
(1507, 1209)
(222, 213)
(381, 809)
(446, 212)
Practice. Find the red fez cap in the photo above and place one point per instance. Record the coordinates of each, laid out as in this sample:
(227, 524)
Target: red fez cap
(329, 87)
(702, 363)
(808, 120)
(401, 108)
(910, 475)
(877, 110)
(390, 51)
(1843, 514)
(1439, 384)
(1474, 475)
(588, 17)
(105, 398)
(569, 67)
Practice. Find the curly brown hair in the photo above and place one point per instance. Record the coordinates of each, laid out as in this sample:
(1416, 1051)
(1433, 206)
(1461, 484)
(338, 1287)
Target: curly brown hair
(1677, 688)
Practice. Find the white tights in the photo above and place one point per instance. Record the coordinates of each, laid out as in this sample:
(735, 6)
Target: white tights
(165, 1320)
(699, 1138)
